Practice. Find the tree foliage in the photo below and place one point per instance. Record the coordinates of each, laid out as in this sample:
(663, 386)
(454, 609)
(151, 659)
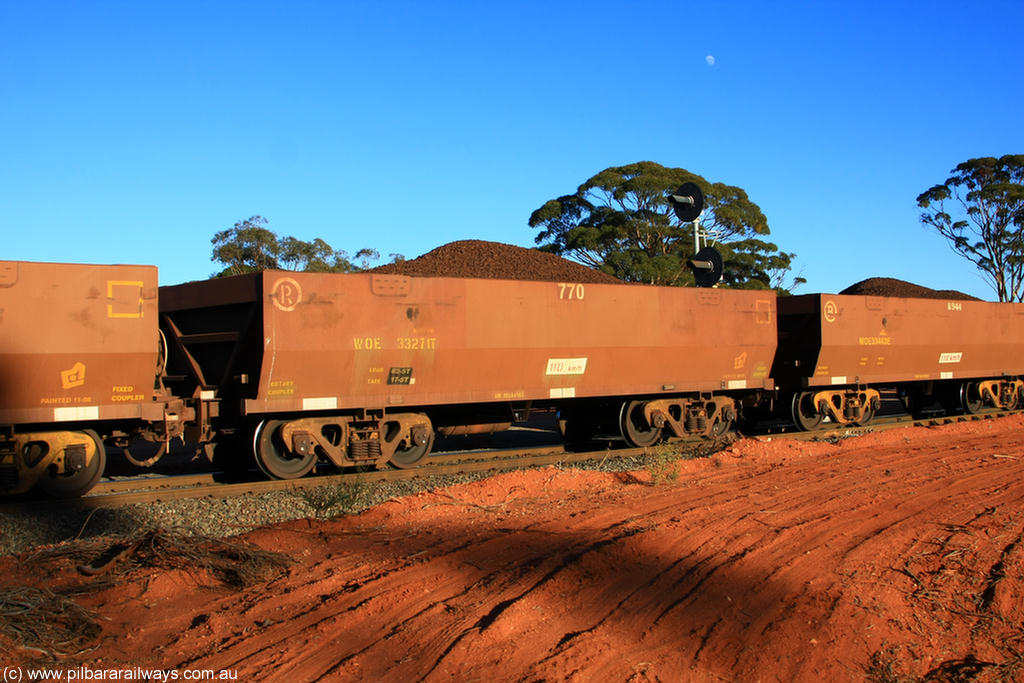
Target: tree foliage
(620, 221)
(250, 247)
(980, 211)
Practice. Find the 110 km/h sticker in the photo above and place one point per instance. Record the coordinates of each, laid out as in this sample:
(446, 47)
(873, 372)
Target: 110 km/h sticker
(566, 366)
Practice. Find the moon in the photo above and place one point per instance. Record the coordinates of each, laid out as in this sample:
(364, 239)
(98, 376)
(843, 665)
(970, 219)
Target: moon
(710, 59)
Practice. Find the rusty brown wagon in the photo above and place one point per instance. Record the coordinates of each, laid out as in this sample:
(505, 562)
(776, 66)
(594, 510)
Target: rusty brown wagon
(79, 362)
(836, 352)
(367, 368)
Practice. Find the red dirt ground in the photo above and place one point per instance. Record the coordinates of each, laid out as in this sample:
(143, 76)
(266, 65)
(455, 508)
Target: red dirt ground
(771, 561)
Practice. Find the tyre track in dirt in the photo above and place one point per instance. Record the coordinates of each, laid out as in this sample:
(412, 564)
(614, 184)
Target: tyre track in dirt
(772, 561)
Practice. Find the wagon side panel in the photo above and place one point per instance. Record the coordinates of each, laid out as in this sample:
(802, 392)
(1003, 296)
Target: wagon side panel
(870, 340)
(77, 342)
(353, 341)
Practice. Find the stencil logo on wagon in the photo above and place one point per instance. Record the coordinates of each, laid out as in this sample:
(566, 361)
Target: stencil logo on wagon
(286, 294)
(831, 311)
(73, 377)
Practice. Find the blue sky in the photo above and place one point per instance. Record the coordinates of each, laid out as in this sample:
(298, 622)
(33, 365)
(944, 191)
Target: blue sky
(131, 132)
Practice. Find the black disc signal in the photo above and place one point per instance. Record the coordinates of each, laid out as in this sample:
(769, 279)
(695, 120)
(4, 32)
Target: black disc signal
(707, 267)
(687, 202)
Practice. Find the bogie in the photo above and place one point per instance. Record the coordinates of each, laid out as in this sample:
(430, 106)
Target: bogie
(289, 370)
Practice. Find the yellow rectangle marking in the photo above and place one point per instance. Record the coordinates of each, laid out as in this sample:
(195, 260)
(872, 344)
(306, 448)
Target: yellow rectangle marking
(111, 284)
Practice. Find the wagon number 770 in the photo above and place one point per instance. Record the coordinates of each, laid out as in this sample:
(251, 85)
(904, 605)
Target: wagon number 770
(570, 292)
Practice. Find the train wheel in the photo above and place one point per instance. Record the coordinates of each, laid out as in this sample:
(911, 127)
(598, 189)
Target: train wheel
(274, 458)
(404, 458)
(1009, 397)
(720, 427)
(971, 399)
(77, 483)
(867, 417)
(634, 427)
(805, 414)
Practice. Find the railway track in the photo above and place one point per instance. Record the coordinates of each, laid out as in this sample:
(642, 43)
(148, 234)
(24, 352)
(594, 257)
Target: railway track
(163, 488)
(151, 489)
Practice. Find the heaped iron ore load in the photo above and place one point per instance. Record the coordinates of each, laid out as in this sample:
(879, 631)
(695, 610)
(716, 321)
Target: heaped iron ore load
(901, 289)
(289, 369)
(367, 367)
(494, 260)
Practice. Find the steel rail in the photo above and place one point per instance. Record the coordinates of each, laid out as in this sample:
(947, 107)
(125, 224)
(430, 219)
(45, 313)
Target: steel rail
(205, 486)
(176, 487)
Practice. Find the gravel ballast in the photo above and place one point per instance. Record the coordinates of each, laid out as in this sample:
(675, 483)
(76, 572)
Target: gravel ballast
(224, 517)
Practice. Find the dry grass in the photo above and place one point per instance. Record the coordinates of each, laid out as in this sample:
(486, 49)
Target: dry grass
(661, 463)
(885, 669)
(50, 623)
(954, 580)
(233, 564)
(334, 500)
(40, 620)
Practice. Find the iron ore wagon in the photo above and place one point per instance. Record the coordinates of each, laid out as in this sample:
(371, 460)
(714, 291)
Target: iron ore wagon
(838, 353)
(366, 368)
(79, 362)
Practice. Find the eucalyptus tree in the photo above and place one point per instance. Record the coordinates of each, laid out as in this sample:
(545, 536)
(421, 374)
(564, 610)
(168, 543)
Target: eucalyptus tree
(980, 211)
(249, 246)
(620, 221)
